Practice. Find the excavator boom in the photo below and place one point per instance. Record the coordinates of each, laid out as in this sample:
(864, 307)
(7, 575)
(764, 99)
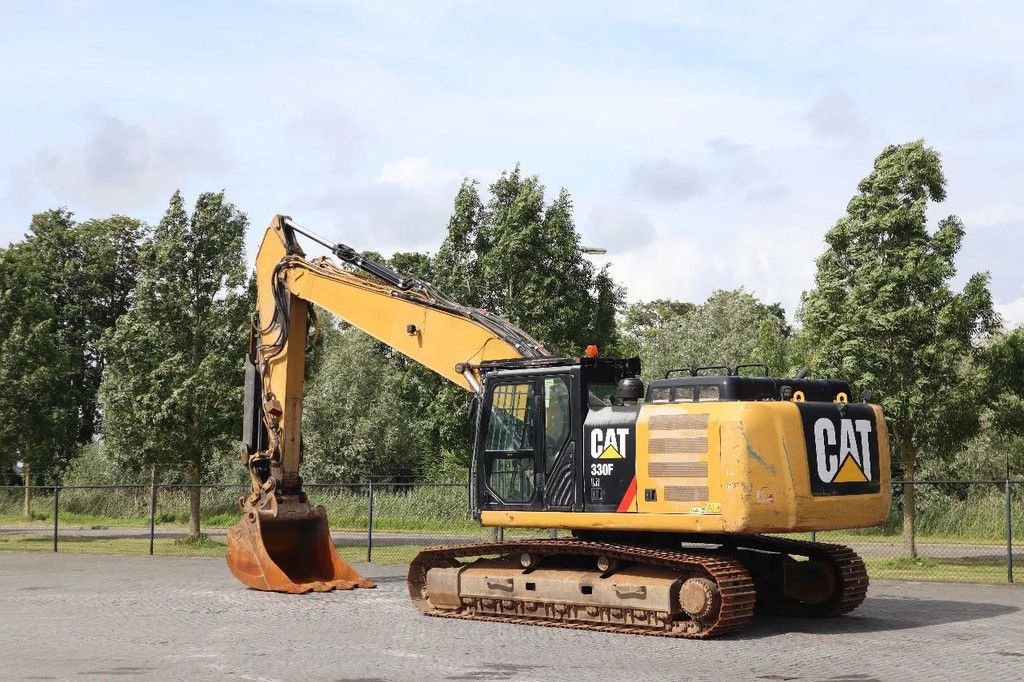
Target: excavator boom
(282, 543)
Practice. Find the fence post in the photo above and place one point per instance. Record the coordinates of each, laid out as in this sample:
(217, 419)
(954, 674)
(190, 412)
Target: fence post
(27, 473)
(1009, 534)
(369, 529)
(56, 513)
(152, 509)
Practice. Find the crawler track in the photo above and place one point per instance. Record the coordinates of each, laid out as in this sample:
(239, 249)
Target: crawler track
(734, 583)
(743, 567)
(851, 576)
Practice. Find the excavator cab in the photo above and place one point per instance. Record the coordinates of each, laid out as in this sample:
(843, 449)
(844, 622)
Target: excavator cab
(530, 443)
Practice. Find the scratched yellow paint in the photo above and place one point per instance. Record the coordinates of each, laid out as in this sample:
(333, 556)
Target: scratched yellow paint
(758, 479)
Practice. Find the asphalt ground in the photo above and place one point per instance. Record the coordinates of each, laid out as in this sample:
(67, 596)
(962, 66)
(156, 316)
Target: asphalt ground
(79, 617)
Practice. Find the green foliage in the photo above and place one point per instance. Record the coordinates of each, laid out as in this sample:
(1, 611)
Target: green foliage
(93, 467)
(997, 450)
(883, 314)
(172, 387)
(642, 319)
(730, 328)
(1004, 358)
(60, 289)
(354, 425)
(520, 257)
(91, 269)
(38, 413)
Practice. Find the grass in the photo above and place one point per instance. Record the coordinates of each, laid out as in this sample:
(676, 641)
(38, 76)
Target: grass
(426, 508)
(978, 519)
(185, 547)
(90, 520)
(851, 537)
(979, 570)
(80, 545)
(946, 514)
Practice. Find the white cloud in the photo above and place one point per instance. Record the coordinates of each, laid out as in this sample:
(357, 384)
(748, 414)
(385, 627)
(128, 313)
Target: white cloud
(1012, 312)
(835, 116)
(406, 208)
(619, 229)
(746, 143)
(122, 166)
(665, 180)
(669, 268)
(416, 172)
(326, 137)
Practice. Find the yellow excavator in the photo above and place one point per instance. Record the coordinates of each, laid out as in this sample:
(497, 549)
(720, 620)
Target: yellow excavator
(677, 495)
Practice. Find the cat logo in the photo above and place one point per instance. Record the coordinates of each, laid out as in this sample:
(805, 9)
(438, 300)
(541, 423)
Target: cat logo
(608, 443)
(842, 448)
(851, 462)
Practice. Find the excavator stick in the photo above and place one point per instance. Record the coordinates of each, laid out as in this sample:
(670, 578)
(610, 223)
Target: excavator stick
(292, 554)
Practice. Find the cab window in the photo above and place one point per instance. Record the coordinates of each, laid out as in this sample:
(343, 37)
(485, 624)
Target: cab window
(509, 444)
(556, 419)
(511, 425)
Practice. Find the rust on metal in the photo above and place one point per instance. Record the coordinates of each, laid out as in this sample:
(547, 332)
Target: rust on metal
(733, 583)
(292, 554)
(716, 591)
(699, 597)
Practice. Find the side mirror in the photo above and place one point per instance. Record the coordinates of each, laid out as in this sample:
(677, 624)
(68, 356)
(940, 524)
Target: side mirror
(471, 409)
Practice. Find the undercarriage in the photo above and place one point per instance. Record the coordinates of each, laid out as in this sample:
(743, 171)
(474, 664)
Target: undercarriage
(670, 585)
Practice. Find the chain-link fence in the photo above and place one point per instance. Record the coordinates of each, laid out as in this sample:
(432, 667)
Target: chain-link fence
(963, 530)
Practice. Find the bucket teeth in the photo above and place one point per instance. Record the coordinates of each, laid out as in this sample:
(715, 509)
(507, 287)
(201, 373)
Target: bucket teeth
(293, 555)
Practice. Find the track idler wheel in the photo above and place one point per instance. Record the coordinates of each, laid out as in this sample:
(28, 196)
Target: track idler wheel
(699, 598)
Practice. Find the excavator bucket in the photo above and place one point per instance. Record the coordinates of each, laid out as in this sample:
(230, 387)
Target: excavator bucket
(291, 554)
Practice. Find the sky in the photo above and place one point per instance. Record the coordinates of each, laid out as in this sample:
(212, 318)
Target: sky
(706, 145)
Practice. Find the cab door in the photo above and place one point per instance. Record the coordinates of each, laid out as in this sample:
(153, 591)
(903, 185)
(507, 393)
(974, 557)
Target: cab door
(507, 444)
(560, 442)
(527, 443)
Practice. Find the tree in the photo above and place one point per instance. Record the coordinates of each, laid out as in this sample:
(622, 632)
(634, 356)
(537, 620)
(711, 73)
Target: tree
(518, 256)
(90, 271)
(884, 316)
(38, 416)
(1004, 358)
(65, 284)
(354, 424)
(730, 328)
(997, 451)
(173, 383)
(643, 318)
